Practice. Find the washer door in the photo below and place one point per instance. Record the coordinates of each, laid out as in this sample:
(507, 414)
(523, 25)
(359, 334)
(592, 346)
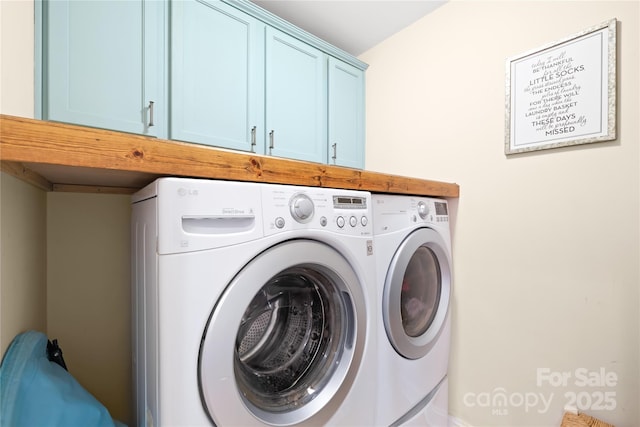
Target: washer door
(416, 293)
(285, 338)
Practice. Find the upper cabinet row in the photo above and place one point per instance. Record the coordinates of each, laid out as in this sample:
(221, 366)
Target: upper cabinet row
(221, 73)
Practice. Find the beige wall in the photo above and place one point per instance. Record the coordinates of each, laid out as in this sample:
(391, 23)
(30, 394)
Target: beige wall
(23, 207)
(88, 292)
(16, 57)
(546, 245)
(23, 259)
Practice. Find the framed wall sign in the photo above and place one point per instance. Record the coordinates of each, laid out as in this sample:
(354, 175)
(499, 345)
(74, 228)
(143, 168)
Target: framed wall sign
(564, 93)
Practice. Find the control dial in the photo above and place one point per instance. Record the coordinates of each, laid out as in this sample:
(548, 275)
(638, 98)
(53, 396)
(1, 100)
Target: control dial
(423, 210)
(302, 208)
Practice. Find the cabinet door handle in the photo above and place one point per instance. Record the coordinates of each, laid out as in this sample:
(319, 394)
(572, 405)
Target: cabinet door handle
(335, 151)
(253, 139)
(271, 141)
(150, 113)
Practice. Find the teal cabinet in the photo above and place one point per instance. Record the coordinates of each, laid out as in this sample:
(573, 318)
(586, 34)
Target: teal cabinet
(224, 73)
(103, 64)
(295, 98)
(346, 114)
(217, 76)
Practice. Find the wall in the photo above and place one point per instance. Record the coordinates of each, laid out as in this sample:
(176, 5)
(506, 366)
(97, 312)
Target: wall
(89, 293)
(546, 245)
(16, 59)
(23, 259)
(23, 207)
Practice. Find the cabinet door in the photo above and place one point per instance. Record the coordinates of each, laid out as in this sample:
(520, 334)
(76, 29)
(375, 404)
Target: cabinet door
(296, 124)
(103, 64)
(217, 73)
(346, 114)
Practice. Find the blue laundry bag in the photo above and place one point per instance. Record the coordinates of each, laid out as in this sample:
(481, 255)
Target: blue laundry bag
(36, 392)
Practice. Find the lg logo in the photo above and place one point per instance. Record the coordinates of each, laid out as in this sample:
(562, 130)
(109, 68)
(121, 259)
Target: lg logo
(187, 192)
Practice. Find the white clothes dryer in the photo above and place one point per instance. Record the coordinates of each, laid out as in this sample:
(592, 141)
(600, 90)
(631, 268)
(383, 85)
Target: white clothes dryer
(413, 256)
(253, 305)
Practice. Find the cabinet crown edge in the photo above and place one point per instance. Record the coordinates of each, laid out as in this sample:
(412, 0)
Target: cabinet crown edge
(291, 29)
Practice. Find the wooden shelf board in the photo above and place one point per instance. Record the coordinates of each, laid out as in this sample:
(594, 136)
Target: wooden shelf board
(69, 156)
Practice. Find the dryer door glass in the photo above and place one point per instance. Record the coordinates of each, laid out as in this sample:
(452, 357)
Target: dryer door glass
(420, 294)
(290, 337)
(416, 294)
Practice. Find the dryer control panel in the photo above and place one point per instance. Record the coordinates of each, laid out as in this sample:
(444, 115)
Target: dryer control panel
(393, 212)
(428, 210)
(346, 212)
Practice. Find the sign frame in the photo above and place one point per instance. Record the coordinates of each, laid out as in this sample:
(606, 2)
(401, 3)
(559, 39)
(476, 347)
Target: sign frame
(563, 93)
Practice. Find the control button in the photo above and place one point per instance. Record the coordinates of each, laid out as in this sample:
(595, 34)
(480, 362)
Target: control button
(353, 221)
(323, 221)
(340, 221)
(279, 222)
(301, 207)
(423, 209)
(364, 221)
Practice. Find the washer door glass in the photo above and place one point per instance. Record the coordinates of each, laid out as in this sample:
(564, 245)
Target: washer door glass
(285, 338)
(290, 337)
(416, 293)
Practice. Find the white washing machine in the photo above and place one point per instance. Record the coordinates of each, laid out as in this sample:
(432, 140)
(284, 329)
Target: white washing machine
(413, 256)
(253, 305)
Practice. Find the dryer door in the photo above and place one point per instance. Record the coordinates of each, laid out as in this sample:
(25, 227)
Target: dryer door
(285, 339)
(416, 293)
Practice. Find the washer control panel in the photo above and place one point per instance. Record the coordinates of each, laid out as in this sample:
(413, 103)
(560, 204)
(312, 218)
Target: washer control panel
(292, 208)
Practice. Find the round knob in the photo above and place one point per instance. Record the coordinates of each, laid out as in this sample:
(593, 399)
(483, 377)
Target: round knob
(301, 207)
(423, 209)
